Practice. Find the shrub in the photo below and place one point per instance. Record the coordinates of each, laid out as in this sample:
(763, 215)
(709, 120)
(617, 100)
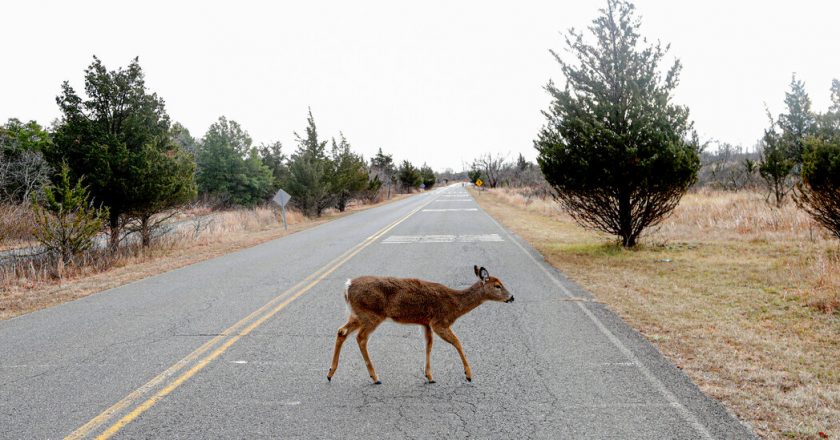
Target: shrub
(67, 222)
(819, 193)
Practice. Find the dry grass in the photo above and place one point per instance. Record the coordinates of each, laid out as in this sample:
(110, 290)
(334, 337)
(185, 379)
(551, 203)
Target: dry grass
(198, 235)
(743, 297)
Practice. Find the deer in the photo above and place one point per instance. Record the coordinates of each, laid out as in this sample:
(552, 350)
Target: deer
(373, 299)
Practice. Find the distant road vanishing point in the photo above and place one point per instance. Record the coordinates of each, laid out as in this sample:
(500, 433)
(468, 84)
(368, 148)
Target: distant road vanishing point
(239, 347)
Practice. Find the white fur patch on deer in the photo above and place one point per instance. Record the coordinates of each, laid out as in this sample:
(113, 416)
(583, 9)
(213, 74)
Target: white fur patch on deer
(435, 307)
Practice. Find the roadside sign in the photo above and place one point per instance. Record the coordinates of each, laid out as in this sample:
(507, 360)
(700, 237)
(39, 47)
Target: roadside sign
(479, 182)
(282, 198)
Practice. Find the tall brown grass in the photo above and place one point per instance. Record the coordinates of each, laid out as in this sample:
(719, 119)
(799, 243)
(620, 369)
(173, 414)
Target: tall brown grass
(707, 215)
(198, 226)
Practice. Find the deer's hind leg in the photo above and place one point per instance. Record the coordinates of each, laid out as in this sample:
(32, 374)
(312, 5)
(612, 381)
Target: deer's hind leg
(352, 325)
(368, 325)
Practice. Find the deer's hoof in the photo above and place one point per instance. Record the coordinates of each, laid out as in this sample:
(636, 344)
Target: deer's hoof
(469, 379)
(431, 382)
(378, 382)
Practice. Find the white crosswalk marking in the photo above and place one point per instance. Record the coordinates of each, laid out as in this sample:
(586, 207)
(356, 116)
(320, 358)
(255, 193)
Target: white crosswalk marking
(405, 239)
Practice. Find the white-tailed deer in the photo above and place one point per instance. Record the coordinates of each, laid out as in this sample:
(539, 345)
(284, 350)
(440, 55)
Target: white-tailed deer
(434, 306)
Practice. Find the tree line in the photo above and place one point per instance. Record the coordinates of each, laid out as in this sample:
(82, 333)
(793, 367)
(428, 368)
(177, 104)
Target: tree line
(114, 158)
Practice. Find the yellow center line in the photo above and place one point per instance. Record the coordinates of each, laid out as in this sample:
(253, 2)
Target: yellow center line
(229, 333)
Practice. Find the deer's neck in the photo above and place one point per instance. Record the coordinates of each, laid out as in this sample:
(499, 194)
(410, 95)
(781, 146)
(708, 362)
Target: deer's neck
(469, 299)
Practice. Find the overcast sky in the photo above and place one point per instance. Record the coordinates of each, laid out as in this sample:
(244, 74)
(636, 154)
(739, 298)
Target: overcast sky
(428, 81)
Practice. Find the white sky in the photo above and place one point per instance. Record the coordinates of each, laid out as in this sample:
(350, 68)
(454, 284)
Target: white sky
(432, 81)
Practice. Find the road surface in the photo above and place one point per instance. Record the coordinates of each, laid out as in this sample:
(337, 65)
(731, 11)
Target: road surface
(239, 347)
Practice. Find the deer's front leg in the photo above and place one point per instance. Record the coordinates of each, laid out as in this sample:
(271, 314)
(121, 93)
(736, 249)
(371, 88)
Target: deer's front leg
(428, 333)
(447, 335)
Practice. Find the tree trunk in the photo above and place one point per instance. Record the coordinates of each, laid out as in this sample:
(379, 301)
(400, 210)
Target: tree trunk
(625, 221)
(114, 225)
(145, 231)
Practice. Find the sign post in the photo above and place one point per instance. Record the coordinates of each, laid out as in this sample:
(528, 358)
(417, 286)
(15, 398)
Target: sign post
(479, 183)
(282, 198)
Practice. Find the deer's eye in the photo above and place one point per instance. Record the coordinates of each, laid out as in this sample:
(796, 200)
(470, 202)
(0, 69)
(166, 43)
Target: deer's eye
(498, 287)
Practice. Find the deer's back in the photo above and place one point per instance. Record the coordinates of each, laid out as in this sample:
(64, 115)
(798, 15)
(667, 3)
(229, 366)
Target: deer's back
(405, 300)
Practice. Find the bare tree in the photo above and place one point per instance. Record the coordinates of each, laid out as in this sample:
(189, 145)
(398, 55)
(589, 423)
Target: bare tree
(491, 165)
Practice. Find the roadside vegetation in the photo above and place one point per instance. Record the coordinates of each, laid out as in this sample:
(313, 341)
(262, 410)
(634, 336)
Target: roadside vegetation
(109, 184)
(742, 296)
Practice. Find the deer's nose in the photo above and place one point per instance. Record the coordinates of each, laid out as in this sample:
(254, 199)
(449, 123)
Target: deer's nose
(509, 300)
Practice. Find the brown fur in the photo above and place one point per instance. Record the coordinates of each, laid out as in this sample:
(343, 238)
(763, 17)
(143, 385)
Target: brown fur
(434, 306)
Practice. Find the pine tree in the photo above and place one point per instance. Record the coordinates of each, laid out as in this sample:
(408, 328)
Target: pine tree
(350, 177)
(409, 176)
(310, 172)
(229, 168)
(382, 165)
(66, 219)
(616, 150)
(110, 137)
(798, 123)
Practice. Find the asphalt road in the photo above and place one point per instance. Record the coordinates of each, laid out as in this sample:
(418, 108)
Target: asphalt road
(239, 347)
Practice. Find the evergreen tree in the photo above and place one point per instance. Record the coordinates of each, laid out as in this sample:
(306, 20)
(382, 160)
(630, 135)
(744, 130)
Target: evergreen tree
(819, 190)
(382, 165)
(310, 172)
(775, 166)
(165, 180)
(427, 176)
(229, 168)
(798, 123)
(273, 157)
(616, 150)
(66, 219)
(111, 136)
(474, 174)
(409, 176)
(350, 177)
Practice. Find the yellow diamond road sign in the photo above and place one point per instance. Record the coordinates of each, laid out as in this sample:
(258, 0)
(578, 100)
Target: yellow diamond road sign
(479, 182)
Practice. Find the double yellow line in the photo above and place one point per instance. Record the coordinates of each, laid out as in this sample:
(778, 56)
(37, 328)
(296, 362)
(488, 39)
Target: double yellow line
(170, 379)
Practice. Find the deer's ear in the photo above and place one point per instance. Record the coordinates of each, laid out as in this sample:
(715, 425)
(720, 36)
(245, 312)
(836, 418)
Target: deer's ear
(477, 273)
(483, 274)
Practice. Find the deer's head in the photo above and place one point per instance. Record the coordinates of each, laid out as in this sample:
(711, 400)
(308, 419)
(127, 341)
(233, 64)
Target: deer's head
(492, 287)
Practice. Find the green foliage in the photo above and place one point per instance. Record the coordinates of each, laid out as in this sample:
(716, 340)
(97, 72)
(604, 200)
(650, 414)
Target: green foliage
(23, 169)
(183, 139)
(350, 175)
(372, 190)
(310, 173)
(427, 176)
(111, 137)
(615, 149)
(409, 176)
(17, 137)
(229, 169)
(66, 220)
(775, 167)
(272, 156)
(798, 123)
(474, 174)
(819, 193)
(382, 166)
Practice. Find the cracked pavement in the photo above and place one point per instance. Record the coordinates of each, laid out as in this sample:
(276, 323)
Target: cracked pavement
(542, 367)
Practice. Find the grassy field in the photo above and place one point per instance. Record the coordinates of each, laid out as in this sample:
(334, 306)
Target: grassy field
(204, 234)
(743, 297)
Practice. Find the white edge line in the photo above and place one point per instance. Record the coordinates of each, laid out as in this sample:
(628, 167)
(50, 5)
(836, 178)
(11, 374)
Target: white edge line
(684, 412)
